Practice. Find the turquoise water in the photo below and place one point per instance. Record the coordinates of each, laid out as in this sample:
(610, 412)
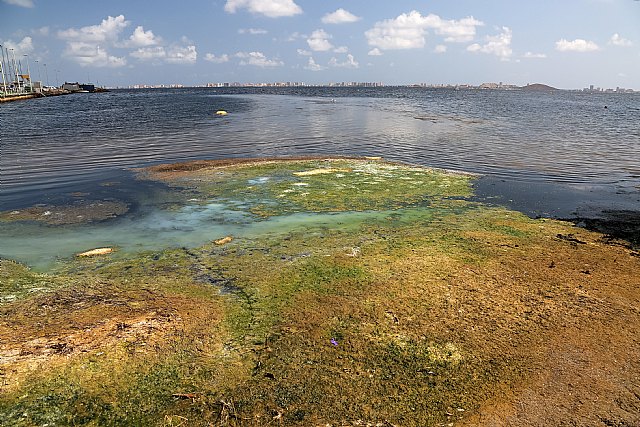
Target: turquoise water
(44, 246)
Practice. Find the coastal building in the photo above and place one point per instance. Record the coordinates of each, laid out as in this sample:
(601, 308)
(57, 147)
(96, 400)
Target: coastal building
(71, 87)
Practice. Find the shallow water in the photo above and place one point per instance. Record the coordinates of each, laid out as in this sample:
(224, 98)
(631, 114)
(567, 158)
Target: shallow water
(43, 247)
(552, 154)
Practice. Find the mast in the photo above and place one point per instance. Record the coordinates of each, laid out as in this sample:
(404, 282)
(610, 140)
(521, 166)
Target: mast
(2, 67)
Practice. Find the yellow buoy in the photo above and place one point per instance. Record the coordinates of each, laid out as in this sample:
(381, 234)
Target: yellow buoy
(221, 113)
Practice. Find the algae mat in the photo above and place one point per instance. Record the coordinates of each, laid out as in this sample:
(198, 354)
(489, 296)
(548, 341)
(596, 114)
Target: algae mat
(396, 301)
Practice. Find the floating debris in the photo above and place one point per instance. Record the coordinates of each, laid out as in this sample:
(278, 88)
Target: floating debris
(95, 252)
(221, 113)
(223, 241)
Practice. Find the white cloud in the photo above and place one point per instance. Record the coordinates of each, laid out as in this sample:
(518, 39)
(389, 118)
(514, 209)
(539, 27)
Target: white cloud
(24, 46)
(149, 53)
(257, 59)
(303, 52)
(319, 41)
(375, 52)
(341, 49)
(531, 55)
(616, 40)
(499, 45)
(408, 31)
(108, 29)
(252, 31)
(340, 16)
(349, 63)
(460, 31)
(142, 38)
(21, 3)
(90, 54)
(313, 66)
(269, 8)
(577, 45)
(216, 59)
(182, 55)
(173, 55)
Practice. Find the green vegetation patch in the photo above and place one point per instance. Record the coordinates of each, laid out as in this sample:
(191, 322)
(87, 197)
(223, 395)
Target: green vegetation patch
(277, 188)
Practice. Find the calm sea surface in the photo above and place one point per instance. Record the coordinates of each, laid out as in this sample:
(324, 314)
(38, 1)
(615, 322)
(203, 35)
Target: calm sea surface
(555, 154)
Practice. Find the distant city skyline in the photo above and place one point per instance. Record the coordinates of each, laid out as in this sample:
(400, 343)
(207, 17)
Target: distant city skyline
(570, 45)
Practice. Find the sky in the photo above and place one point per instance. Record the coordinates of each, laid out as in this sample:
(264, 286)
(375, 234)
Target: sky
(568, 44)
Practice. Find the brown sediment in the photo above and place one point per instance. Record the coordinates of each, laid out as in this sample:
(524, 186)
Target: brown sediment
(167, 170)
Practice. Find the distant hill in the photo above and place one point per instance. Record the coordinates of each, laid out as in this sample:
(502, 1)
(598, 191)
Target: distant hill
(537, 87)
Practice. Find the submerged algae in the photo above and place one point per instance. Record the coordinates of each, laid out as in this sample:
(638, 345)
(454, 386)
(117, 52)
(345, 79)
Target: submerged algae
(440, 308)
(78, 212)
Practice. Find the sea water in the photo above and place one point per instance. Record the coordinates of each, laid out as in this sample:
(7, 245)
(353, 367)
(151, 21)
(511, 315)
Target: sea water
(552, 154)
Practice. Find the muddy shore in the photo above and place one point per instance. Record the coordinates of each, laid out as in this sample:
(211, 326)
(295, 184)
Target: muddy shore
(410, 304)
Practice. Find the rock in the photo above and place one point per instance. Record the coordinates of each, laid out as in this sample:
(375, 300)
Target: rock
(223, 241)
(95, 252)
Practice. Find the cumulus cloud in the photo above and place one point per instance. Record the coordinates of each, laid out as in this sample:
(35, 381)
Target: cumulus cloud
(349, 63)
(341, 49)
(269, 8)
(87, 46)
(319, 41)
(531, 55)
(216, 59)
(313, 66)
(24, 46)
(616, 40)
(257, 59)
(108, 29)
(182, 55)
(340, 16)
(303, 52)
(252, 31)
(440, 48)
(142, 38)
(577, 45)
(408, 31)
(90, 54)
(149, 53)
(22, 3)
(499, 45)
(374, 52)
(461, 31)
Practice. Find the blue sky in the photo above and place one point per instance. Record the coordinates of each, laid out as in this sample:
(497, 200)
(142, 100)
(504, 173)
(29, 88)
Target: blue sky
(567, 44)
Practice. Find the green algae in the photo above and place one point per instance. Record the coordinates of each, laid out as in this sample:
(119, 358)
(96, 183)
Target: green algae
(241, 333)
(277, 188)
